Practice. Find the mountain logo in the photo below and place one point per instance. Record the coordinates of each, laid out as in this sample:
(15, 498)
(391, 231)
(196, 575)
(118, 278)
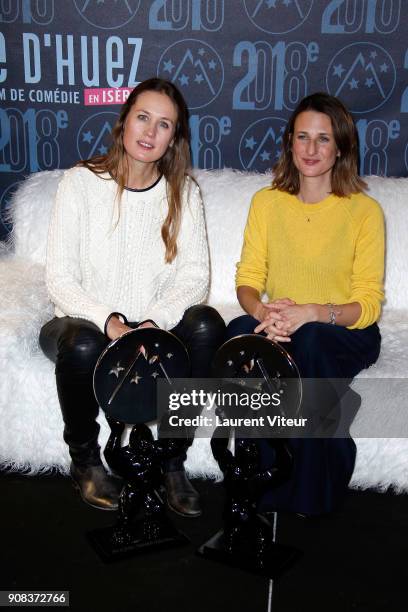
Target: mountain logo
(107, 14)
(195, 68)
(261, 144)
(5, 206)
(94, 135)
(363, 75)
(278, 16)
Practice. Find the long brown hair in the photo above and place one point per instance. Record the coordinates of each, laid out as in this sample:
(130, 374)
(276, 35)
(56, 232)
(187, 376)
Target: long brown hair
(174, 164)
(344, 179)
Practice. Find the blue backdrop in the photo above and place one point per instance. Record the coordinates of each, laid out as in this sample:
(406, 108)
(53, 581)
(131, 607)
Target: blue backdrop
(243, 65)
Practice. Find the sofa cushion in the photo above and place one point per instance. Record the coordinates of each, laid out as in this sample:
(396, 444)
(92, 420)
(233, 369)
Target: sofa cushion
(31, 432)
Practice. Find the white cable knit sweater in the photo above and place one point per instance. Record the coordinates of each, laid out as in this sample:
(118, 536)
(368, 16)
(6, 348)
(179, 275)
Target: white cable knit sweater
(95, 268)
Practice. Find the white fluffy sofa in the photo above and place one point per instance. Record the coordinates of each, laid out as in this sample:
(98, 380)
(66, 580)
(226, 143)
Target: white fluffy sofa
(30, 420)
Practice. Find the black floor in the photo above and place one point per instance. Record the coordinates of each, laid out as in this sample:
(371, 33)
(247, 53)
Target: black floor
(356, 560)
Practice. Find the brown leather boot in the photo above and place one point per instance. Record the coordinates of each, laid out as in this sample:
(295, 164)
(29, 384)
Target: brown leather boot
(96, 487)
(182, 497)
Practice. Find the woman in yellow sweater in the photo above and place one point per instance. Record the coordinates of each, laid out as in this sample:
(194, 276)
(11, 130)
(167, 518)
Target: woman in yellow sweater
(314, 243)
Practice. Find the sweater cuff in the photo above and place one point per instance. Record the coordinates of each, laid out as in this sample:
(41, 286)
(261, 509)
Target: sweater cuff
(370, 313)
(98, 315)
(159, 316)
(250, 282)
(119, 315)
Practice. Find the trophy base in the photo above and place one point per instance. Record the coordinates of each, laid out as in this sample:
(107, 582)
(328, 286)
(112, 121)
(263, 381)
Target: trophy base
(271, 563)
(115, 543)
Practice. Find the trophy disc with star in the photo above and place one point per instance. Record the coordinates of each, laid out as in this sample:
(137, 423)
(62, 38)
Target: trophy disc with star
(125, 385)
(255, 364)
(126, 374)
(252, 365)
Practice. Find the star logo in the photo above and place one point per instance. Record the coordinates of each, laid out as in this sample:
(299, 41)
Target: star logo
(87, 137)
(196, 68)
(359, 65)
(261, 143)
(250, 143)
(168, 66)
(135, 378)
(338, 70)
(94, 135)
(278, 16)
(184, 79)
(116, 370)
(101, 13)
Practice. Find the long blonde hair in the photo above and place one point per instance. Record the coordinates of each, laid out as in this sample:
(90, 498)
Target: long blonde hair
(174, 165)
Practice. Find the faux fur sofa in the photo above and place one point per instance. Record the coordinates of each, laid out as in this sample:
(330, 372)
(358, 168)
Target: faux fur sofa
(30, 420)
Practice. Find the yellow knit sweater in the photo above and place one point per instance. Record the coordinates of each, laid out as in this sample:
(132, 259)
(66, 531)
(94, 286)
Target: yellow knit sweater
(332, 251)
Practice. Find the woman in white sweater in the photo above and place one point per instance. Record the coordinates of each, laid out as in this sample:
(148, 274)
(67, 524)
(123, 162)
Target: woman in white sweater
(127, 247)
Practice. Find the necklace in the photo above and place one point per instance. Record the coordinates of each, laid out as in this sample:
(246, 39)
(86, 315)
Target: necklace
(301, 199)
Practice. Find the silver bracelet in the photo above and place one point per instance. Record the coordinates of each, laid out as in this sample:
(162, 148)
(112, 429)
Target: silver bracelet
(332, 314)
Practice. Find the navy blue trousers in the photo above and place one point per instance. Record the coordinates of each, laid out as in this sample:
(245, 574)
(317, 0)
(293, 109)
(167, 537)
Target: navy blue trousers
(322, 467)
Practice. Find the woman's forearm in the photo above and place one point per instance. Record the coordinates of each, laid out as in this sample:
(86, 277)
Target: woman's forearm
(250, 301)
(343, 314)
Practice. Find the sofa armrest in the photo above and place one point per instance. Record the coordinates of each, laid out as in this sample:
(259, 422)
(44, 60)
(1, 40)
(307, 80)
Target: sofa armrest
(25, 305)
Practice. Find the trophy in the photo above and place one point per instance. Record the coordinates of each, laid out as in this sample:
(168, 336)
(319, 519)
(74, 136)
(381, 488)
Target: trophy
(125, 385)
(252, 364)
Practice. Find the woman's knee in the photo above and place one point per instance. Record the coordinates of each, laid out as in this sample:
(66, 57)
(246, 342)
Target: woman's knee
(80, 344)
(313, 348)
(204, 320)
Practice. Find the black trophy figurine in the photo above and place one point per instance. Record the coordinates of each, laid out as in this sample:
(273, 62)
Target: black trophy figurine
(254, 364)
(125, 384)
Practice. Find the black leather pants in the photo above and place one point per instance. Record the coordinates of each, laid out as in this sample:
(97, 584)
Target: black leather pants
(74, 345)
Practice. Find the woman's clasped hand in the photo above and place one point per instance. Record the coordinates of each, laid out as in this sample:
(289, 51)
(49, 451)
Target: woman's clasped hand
(280, 318)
